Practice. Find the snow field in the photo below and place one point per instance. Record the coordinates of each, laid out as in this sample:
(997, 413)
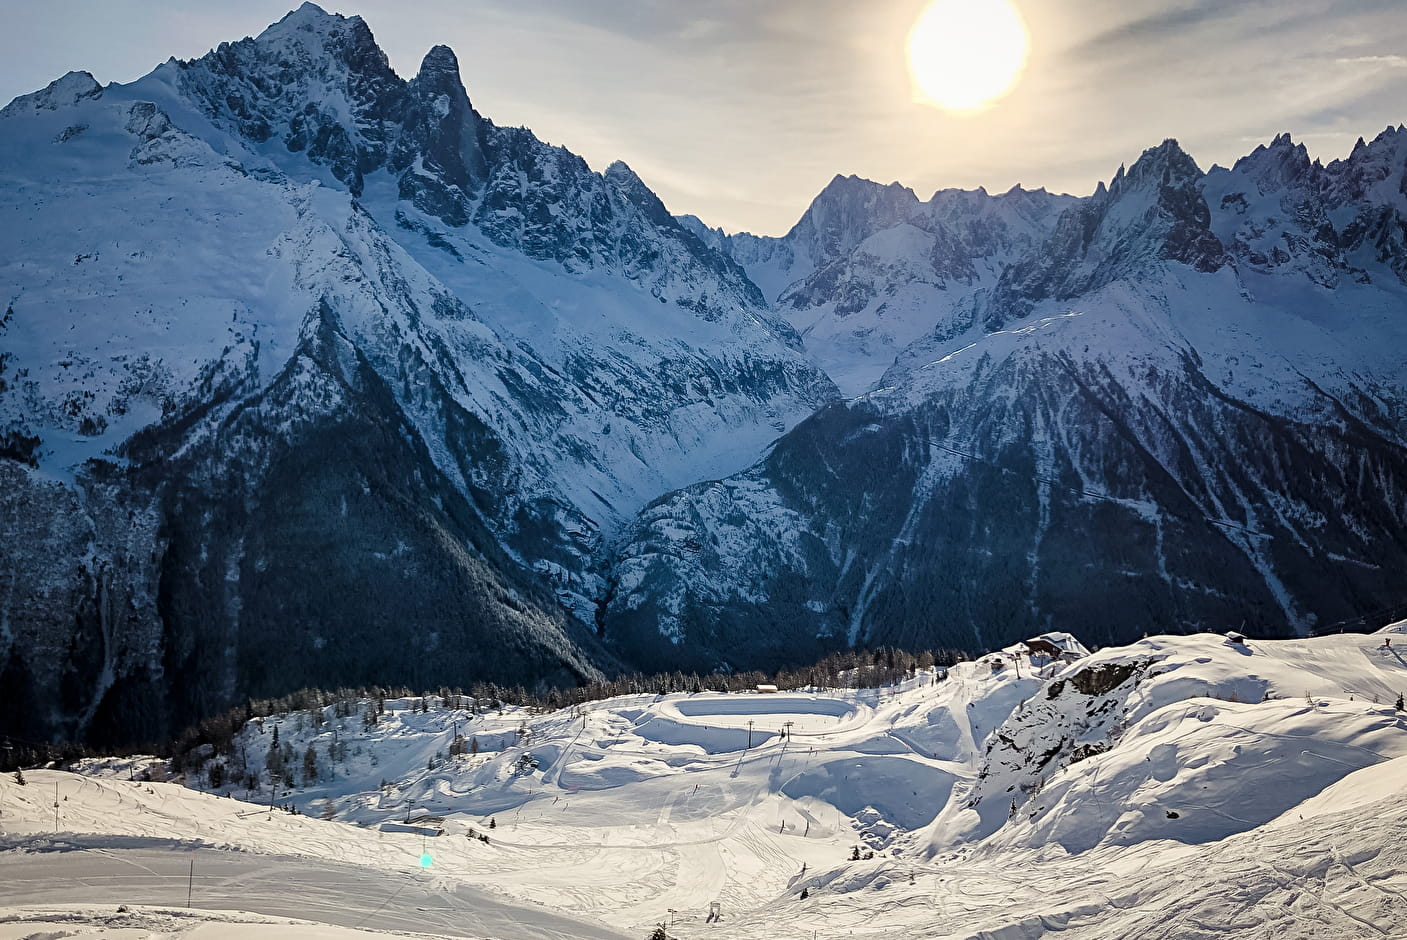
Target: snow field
(1245, 791)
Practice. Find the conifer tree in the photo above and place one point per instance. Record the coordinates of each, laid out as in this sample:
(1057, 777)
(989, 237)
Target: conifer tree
(274, 761)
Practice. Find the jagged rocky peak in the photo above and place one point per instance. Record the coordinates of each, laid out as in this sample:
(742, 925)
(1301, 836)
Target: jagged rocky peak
(1152, 211)
(316, 81)
(1358, 176)
(1149, 214)
(1276, 165)
(1017, 203)
(1185, 230)
(311, 39)
(714, 238)
(634, 189)
(1166, 165)
(441, 130)
(441, 61)
(848, 211)
(61, 92)
(318, 85)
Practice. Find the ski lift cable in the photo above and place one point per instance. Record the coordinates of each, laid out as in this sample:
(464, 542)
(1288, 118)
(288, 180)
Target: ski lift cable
(1362, 618)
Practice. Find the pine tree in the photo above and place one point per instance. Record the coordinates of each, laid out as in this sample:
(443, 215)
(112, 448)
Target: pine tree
(19, 777)
(659, 933)
(310, 765)
(1398, 703)
(274, 760)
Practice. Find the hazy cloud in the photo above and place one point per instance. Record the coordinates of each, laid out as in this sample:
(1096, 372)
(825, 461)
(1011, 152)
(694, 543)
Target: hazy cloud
(1153, 27)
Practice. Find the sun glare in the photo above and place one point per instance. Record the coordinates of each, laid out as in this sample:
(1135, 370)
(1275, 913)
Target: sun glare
(965, 54)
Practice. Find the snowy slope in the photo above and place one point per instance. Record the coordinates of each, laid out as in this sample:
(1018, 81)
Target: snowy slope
(1186, 786)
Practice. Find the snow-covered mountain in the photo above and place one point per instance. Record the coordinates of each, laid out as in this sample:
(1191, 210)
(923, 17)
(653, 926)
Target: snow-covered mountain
(1179, 786)
(310, 374)
(870, 269)
(1189, 401)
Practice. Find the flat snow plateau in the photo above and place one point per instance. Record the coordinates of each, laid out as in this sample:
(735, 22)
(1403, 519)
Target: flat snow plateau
(1183, 787)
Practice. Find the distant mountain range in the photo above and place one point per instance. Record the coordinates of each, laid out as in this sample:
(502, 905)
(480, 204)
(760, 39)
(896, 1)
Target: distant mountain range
(311, 375)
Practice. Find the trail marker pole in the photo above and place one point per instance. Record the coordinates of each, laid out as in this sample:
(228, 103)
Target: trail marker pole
(56, 806)
(190, 883)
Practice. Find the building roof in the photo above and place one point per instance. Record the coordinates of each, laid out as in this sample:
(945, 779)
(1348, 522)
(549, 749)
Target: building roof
(1061, 643)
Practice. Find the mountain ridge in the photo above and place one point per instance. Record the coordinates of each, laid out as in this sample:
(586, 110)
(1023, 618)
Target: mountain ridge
(538, 350)
(1109, 373)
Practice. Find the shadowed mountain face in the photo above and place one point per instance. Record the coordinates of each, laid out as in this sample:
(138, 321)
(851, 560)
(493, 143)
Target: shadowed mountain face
(1183, 409)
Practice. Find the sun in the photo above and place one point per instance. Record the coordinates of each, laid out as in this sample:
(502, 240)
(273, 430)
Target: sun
(966, 54)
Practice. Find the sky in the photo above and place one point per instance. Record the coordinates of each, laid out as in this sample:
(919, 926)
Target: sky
(740, 111)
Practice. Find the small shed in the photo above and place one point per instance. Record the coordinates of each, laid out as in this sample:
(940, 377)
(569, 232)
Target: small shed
(1061, 647)
(767, 689)
(1233, 637)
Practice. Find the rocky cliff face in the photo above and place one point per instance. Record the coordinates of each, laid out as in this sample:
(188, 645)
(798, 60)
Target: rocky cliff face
(1182, 410)
(370, 380)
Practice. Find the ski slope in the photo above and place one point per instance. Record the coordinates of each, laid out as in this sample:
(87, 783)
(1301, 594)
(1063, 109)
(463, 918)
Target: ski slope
(1179, 786)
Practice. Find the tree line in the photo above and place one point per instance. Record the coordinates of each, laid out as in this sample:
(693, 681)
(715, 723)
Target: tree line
(216, 735)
